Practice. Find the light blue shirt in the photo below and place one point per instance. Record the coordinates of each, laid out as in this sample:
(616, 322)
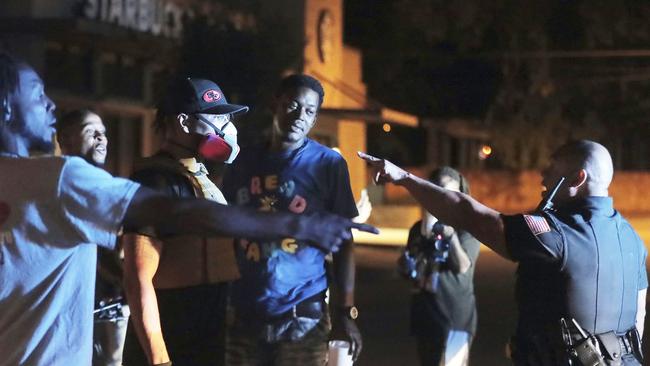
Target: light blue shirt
(53, 213)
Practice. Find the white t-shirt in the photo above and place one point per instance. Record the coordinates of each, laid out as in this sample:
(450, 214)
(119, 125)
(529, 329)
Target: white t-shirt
(53, 211)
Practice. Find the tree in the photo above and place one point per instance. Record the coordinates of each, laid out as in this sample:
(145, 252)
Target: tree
(509, 64)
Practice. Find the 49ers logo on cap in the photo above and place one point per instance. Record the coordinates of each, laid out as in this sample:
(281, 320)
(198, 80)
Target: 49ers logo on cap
(211, 96)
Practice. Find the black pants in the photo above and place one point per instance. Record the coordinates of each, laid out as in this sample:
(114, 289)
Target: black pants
(192, 321)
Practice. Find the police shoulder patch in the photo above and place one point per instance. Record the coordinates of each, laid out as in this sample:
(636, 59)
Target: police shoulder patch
(537, 224)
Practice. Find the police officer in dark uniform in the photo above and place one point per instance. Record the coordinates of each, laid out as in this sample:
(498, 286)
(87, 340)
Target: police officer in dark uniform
(581, 282)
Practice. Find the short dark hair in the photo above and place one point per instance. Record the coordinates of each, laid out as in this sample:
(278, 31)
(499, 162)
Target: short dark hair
(447, 171)
(9, 79)
(296, 81)
(69, 120)
(73, 118)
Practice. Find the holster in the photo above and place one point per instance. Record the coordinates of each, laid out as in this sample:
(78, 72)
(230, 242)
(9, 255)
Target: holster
(616, 346)
(587, 352)
(637, 347)
(613, 347)
(607, 349)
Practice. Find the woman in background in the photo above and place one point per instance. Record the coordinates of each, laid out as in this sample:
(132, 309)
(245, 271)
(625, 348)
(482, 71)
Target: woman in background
(441, 262)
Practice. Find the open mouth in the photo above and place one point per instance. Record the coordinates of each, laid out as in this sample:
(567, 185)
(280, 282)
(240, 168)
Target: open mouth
(101, 149)
(296, 128)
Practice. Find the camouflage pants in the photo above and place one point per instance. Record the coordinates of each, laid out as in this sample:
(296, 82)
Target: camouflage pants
(244, 349)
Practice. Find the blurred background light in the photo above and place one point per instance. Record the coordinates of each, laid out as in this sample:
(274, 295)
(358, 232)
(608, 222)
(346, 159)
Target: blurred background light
(485, 152)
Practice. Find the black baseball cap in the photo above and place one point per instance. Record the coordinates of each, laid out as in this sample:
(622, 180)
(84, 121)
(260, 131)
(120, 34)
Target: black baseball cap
(190, 96)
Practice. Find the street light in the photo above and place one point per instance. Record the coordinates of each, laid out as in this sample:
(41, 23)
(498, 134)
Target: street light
(485, 152)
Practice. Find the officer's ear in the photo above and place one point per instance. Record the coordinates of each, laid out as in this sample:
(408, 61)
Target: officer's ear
(581, 179)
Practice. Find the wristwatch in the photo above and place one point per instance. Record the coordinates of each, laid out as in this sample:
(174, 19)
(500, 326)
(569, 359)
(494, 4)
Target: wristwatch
(350, 312)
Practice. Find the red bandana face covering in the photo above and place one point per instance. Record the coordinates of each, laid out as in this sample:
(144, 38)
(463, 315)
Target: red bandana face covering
(220, 149)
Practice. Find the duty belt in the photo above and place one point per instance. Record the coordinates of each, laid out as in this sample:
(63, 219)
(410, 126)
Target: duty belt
(614, 347)
(594, 349)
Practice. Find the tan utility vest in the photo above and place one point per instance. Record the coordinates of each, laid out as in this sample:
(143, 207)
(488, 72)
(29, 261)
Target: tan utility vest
(190, 260)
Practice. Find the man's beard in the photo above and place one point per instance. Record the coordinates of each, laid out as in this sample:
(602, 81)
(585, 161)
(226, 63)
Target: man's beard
(43, 147)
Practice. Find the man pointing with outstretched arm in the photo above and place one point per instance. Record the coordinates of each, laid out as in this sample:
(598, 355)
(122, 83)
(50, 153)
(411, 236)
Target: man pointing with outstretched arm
(581, 265)
(55, 211)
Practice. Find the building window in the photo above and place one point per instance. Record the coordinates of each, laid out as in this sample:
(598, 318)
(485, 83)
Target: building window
(122, 77)
(69, 68)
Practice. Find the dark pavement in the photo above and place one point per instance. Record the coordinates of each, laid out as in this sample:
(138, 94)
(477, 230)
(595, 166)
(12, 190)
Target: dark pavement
(383, 301)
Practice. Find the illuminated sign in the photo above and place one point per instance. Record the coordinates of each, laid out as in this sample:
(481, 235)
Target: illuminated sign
(158, 17)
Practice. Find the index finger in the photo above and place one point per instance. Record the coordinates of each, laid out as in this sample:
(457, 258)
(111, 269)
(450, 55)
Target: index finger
(368, 158)
(364, 227)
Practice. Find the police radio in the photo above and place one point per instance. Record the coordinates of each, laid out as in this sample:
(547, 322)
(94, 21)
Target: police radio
(547, 202)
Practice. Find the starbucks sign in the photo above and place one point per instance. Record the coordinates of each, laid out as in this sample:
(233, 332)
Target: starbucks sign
(158, 17)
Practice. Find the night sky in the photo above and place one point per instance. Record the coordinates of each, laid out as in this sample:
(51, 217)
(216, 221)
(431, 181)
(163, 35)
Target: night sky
(539, 72)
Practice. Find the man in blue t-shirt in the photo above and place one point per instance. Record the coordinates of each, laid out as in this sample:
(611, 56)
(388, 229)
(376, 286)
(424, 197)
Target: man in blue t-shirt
(280, 311)
(581, 280)
(55, 211)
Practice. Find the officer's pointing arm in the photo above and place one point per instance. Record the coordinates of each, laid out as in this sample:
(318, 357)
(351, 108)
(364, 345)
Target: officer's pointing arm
(453, 208)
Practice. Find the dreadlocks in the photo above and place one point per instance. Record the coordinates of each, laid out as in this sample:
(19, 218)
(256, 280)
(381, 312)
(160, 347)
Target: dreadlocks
(8, 81)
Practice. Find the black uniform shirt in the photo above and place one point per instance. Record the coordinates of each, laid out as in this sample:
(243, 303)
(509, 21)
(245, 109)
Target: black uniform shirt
(583, 261)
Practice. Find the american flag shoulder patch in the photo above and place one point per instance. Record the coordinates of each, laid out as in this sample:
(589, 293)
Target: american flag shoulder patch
(537, 224)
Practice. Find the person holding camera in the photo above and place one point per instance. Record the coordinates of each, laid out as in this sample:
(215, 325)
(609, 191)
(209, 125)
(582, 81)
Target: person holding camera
(441, 261)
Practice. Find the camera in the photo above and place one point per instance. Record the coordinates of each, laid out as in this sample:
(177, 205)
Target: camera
(425, 258)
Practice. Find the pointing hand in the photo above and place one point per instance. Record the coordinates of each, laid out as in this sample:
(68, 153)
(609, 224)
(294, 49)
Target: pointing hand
(327, 231)
(383, 170)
